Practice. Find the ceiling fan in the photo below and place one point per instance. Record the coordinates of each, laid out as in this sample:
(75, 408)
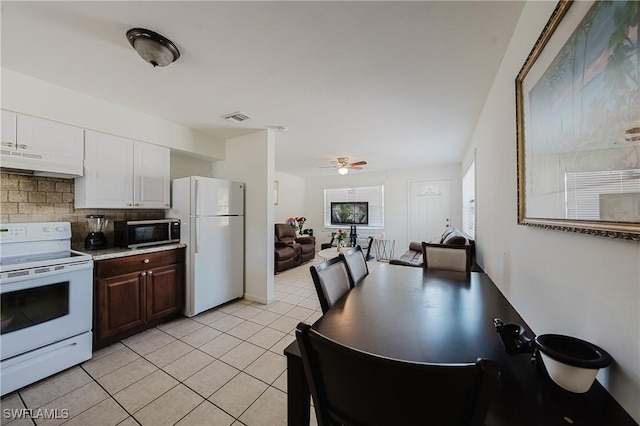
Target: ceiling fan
(343, 165)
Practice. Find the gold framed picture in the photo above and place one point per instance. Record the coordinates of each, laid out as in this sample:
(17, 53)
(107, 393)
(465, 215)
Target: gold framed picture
(578, 122)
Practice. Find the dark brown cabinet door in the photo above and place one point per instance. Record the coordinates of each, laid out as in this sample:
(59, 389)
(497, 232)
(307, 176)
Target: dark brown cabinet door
(121, 304)
(137, 292)
(164, 292)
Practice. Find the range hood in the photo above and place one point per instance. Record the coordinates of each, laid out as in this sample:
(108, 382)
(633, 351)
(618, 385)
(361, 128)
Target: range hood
(40, 165)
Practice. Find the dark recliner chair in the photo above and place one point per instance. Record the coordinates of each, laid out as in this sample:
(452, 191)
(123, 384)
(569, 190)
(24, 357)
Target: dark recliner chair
(304, 248)
(286, 256)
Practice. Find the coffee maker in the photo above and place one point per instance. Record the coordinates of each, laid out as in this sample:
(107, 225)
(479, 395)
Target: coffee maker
(96, 239)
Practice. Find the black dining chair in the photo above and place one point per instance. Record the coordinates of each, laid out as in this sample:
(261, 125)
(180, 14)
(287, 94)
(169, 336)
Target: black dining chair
(351, 387)
(357, 267)
(369, 246)
(331, 281)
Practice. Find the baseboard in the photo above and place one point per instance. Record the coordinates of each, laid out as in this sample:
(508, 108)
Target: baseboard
(259, 299)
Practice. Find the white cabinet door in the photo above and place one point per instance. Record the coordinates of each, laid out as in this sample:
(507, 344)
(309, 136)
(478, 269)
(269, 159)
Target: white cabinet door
(108, 174)
(8, 130)
(46, 137)
(151, 176)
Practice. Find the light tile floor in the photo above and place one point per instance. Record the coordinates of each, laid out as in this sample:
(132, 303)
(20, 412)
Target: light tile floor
(223, 367)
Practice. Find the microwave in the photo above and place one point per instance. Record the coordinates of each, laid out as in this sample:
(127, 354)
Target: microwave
(145, 233)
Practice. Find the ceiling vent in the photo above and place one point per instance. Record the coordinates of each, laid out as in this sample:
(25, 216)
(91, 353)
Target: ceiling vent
(236, 117)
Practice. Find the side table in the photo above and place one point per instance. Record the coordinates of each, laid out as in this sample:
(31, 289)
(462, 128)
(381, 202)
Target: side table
(384, 248)
(328, 253)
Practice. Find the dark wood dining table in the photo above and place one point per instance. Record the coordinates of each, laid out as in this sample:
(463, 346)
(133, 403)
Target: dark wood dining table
(434, 316)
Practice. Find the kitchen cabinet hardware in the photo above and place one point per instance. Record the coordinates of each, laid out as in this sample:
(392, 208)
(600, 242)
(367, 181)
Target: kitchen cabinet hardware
(23, 146)
(145, 261)
(9, 144)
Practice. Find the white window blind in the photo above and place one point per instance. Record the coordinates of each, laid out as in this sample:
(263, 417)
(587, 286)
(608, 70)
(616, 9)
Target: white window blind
(469, 201)
(583, 190)
(374, 195)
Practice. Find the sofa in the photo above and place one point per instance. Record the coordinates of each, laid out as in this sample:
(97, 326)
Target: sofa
(411, 257)
(291, 250)
(450, 238)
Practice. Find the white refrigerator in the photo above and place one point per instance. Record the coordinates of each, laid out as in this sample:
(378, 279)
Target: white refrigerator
(211, 212)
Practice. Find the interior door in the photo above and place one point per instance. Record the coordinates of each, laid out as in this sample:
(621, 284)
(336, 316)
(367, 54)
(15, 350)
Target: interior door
(429, 209)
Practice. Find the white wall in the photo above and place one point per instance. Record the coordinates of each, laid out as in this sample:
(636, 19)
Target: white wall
(396, 199)
(25, 94)
(565, 283)
(291, 202)
(184, 165)
(250, 159)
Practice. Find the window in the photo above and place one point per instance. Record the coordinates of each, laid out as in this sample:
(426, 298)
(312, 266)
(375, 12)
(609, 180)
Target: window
(589, 194)
(469, 201)
(373, 195)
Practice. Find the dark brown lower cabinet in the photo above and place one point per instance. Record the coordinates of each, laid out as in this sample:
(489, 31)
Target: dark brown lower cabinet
(134, 293)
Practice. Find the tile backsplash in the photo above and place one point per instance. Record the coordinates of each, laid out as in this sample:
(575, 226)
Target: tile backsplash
(44, 199)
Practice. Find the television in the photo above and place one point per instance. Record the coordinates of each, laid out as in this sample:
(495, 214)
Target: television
(350, 213)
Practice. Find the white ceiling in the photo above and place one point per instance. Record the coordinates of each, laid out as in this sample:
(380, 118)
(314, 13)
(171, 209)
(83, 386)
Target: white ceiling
(398, 84)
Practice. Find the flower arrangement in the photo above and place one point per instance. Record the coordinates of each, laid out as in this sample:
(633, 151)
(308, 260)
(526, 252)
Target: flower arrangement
(301, 220)
(297, 222)
(340, 236)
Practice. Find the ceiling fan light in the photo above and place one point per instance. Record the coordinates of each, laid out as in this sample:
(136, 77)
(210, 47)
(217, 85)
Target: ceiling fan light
(152, 47)
(343, 170)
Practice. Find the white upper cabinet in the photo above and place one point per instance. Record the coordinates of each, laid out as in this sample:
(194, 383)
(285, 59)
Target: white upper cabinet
(108, 172)
(43, 147)
(122, 173)
(50, 138)
(9, 140)
(151, 175)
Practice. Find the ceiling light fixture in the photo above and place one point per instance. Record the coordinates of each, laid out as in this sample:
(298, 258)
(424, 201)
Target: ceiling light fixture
(158, 50)
(343, 170)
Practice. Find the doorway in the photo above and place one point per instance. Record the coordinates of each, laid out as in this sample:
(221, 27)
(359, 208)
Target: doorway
(429, 209)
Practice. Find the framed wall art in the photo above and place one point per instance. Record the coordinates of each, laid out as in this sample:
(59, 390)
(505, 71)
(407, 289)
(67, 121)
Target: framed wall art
(578, 122)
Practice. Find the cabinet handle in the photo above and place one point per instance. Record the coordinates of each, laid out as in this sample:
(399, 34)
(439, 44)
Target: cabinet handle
(149, 272)
(145, 261)
(23, 146)
(9, 144)
(144, 274)
(129, 204)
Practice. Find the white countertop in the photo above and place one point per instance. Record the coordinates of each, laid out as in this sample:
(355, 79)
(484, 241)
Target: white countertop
(114, 252)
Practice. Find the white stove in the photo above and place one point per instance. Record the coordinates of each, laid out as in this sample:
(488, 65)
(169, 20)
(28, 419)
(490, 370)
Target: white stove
(47, 298)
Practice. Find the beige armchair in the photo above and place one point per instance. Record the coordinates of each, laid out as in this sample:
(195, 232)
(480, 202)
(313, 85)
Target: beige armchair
(447, 256)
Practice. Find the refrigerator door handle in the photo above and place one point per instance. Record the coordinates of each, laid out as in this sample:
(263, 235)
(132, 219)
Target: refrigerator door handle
(197, 235)
(197, 197)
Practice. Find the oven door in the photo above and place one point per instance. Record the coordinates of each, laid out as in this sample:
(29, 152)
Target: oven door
(46, 309)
